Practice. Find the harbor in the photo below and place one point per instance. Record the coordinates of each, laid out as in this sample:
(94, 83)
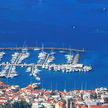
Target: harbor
(45, 60)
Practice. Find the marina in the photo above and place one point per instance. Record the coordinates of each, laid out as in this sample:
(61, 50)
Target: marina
(45, 60)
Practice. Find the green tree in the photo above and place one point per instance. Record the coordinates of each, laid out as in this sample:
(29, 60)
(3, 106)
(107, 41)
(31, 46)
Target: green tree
(106, 100)
(21, 104)
(7, 106)
(94, 95)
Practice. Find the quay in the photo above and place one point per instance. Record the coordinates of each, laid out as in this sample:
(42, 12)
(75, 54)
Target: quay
(77, 67)
(45, 48)
(22, 65)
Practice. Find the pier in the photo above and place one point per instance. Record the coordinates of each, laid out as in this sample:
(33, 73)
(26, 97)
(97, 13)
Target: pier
(45, 48)
(68, 67)
(22, 65)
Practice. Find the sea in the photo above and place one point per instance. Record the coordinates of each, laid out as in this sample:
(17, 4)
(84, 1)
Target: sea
(76, 24)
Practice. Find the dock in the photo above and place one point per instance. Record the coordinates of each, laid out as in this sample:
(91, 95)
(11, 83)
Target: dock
(22, 65)
(45, 48)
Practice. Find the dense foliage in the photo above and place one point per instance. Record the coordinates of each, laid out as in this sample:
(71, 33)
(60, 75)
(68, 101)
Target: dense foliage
(20, 104)
(106, 100)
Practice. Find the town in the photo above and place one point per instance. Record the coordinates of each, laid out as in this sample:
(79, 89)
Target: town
(41, 98)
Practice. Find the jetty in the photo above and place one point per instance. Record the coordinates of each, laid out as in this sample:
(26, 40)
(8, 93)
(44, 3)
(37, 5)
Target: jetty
(45, 48)
(22, 65)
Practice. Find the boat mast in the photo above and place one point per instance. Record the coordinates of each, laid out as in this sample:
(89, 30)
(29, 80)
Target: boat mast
(42, 47)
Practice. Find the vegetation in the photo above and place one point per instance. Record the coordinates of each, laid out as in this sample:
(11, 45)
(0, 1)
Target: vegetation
(106, 100)
(20, 104)
(94, 95)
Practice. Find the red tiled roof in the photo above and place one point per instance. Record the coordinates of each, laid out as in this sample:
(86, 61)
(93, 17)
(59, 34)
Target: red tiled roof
(56, 92)
(86, 91)
(47, 93)
(3, 98)
(107, 93)
(77, 105)
(82, 92)
(49, 100)
(64, 93)
(62, 104)
(77, 91)
(42, 97)
(2, 102)
(83, 107)
(29, 88)
(13, 96)
(95, 106)
(79, 99)
(1, 83)
(21, 91)
(67, 93)
(5, 89)
(93, 92)
(106, 104)
(8, 91)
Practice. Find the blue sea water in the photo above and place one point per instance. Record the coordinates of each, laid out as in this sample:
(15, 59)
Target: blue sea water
(58, 23)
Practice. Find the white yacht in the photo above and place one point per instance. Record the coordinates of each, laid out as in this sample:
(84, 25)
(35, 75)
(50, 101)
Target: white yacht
(3, 74)
(36, 70)
(35, 84)
(36, 49)
(37, 78)
(1, 55)
(50, 59)
(28, 69)
(31, 74)
(23, 56)
(42, 54)
(62, 52)
(52, 53)
(69, 58)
